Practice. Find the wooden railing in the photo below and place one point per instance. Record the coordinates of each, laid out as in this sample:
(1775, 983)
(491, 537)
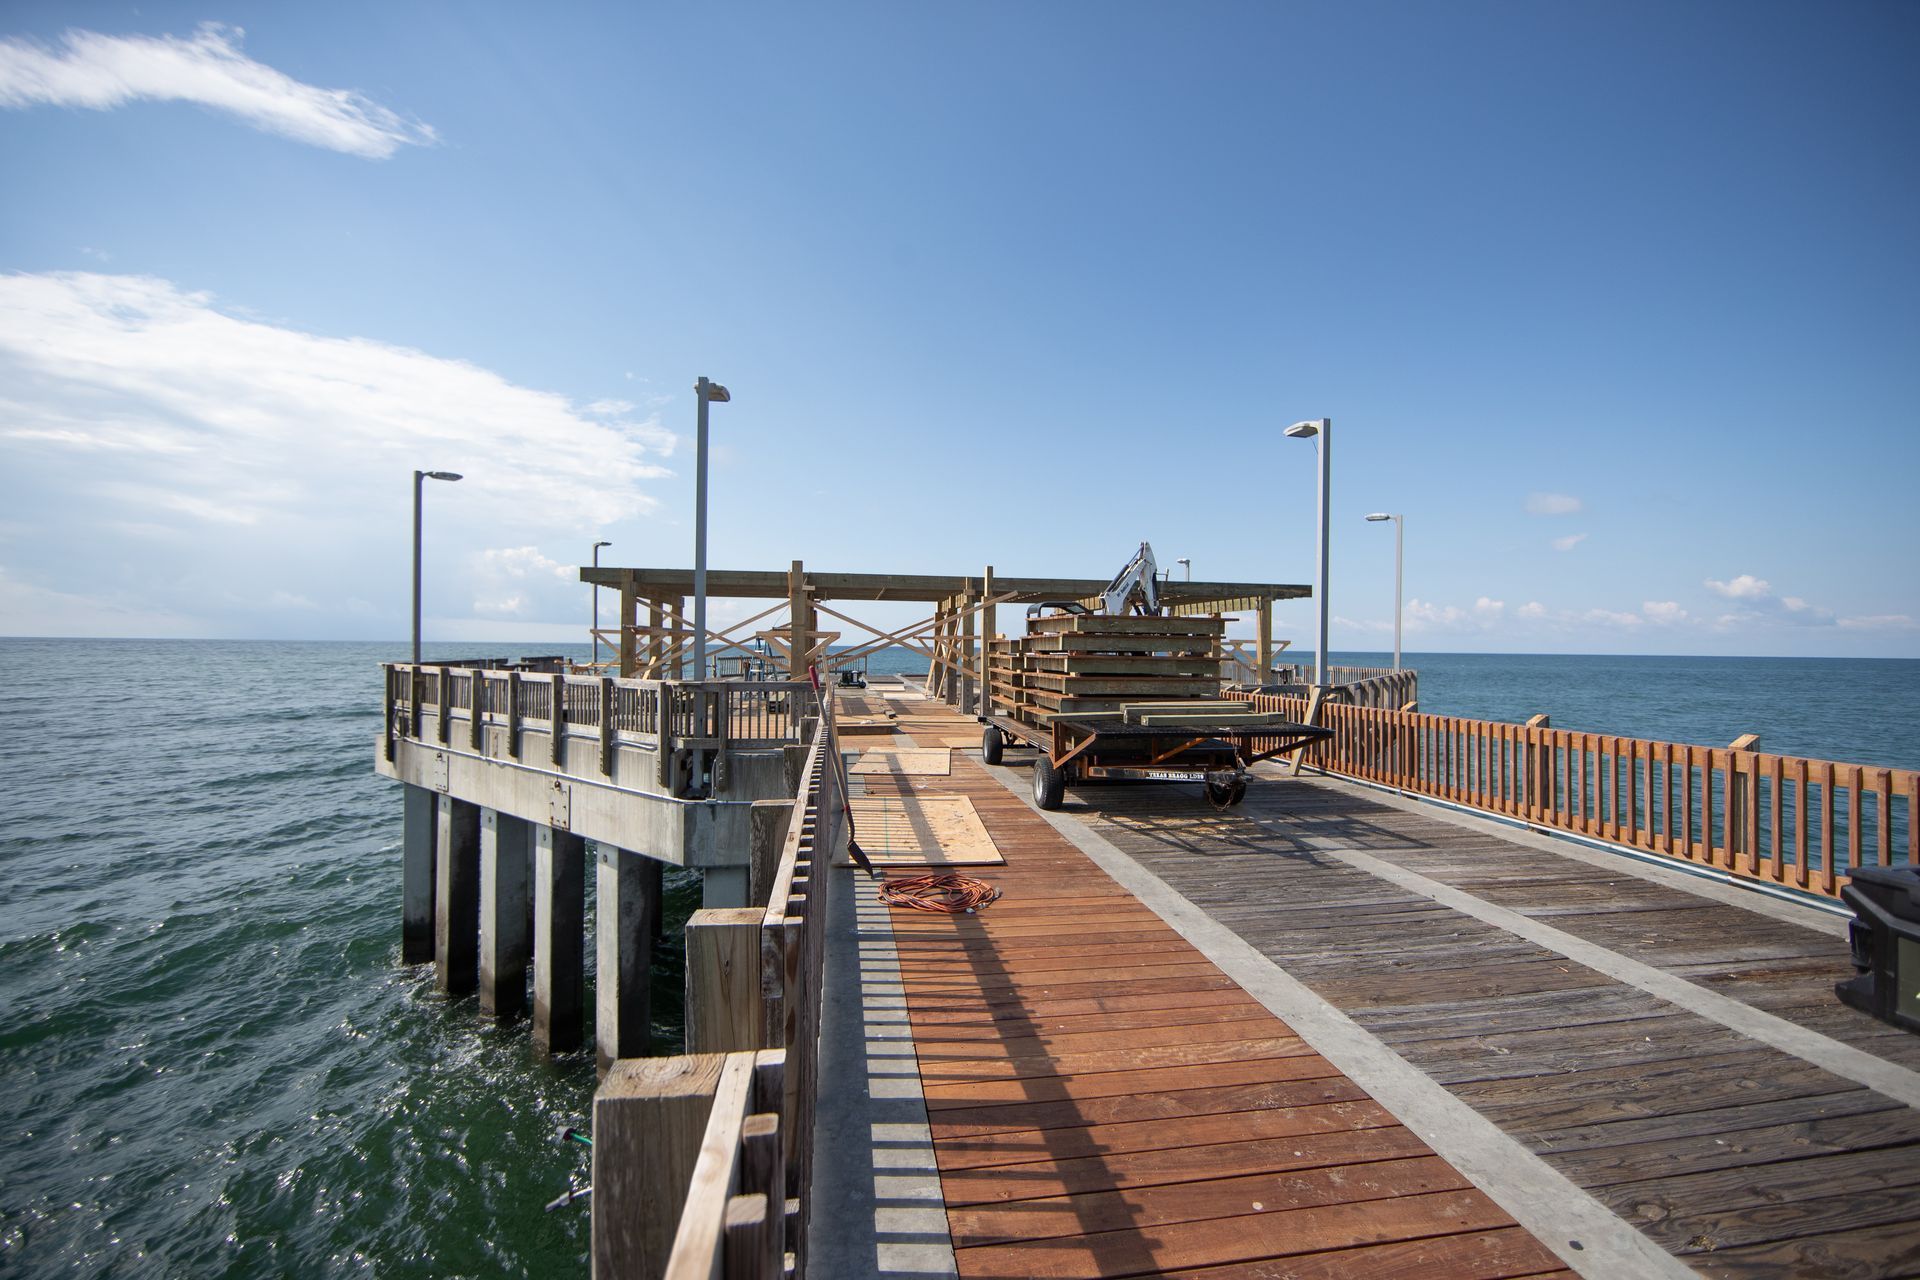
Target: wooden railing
(1782, 820)
(438, 704)
(703, 1163)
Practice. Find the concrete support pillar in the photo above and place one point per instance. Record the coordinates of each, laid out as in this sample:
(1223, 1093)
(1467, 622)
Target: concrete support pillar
(420, 812)
(456, 898)
(505, 849)
(559, 955)
(624, 947)
(725, 887)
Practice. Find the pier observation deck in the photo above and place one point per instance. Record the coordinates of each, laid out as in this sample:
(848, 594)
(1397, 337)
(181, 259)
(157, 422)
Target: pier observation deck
(1336, 1032)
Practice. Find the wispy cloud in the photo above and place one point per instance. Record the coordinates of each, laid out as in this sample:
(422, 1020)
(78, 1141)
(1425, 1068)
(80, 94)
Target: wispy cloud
(237, 452)
(1553, 504)
(100, 72)
(1880, 622)
(1569, 542)
(1664, 613)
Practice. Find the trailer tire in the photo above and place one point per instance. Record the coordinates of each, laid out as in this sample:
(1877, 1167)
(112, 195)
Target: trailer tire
(1049, 783)
(993, 745)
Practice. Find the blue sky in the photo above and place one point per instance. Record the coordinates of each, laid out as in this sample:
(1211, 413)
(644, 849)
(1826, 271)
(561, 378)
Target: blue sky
(1619, 304)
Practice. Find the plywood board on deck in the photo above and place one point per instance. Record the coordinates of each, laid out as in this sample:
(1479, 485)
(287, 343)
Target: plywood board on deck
(921, 831)
(925, 762)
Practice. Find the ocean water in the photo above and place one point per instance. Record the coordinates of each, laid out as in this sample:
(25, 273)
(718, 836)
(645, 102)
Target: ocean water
(213, 1063)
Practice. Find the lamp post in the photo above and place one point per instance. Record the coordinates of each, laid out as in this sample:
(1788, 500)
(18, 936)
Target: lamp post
(419, 483)
(705, 393)
(1399, 593)
(1187, 564)
(1320, 430)
(595, 633)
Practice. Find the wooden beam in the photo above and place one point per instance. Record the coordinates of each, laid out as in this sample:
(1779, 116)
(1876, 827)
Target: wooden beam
(928, 588)
(723, 980)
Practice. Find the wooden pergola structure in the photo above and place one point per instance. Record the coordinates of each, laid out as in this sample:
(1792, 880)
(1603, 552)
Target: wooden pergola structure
(950, 637)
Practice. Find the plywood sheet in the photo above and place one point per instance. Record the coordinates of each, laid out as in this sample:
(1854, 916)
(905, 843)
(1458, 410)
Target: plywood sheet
(921, 831)
(925, 762)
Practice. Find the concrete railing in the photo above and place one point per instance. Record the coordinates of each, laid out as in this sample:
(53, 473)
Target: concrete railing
(703, 1163)
(1782, 820)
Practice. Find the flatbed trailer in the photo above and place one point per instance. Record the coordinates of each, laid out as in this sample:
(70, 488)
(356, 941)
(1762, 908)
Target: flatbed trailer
(1216, 755)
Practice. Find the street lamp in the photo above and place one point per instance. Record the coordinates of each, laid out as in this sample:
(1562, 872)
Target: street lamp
(595, 633)
(1187, 564)
(705, 393)
(1319, 430)
(1399, 594)
(419, 479)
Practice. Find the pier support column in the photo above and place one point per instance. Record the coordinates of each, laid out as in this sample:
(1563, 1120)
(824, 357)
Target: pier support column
(968, 666)
(983, 704)
(624, 946)
(456, 899)
(1263, 645)
(559, 955)
(504, 848)
(724, 887)
(420, 811)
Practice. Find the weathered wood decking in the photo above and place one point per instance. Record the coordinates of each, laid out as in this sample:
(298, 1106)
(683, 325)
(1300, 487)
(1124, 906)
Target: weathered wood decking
(1105, 1101)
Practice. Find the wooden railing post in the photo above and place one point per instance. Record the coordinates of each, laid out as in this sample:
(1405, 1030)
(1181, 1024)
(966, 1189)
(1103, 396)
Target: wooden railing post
(1743, 785)
(1539, 766)
(723, 980)
(649, 1118)
(513, 715)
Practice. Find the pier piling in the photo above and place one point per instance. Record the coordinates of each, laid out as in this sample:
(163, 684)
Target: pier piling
(559, 919)
(505, 843)
(456, 913)
(624, 889)
(420, 813)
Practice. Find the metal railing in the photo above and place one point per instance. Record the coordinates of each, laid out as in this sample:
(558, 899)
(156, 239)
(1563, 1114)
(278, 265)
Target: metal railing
(1781, 820)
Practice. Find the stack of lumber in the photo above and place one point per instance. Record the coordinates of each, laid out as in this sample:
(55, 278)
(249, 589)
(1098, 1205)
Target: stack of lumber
(1080, 664)
(1213, 713)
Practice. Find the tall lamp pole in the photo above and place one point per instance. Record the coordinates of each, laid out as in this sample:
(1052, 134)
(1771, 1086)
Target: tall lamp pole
(1320, 431)
(595, 633)
(1186, 563)
(419, 482)
(705, 393)
(1399, 592)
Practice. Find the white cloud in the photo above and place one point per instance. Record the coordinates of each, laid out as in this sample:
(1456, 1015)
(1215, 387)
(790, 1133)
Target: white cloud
(1611, 618)
(520, 562)
(1880, 622)
(1663, 612)
(1744, 587)
(100, 72)
(1532, 611)
(1553, 504)
(1569, 542)
(234, 451)
(609, 408)
(1489, 609)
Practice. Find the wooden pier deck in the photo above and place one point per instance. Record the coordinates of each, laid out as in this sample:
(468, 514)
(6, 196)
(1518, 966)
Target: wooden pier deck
(1106, 1098)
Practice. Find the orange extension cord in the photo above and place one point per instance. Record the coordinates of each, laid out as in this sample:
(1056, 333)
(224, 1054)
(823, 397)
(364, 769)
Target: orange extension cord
(948, 894)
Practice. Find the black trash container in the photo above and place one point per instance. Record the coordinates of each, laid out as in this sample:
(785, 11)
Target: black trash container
(1885, 938)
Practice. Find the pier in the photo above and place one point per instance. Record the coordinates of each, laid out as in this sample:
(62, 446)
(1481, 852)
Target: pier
(1438, 998)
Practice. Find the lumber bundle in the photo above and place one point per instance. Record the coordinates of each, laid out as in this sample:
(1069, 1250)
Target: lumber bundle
(1096, 664)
